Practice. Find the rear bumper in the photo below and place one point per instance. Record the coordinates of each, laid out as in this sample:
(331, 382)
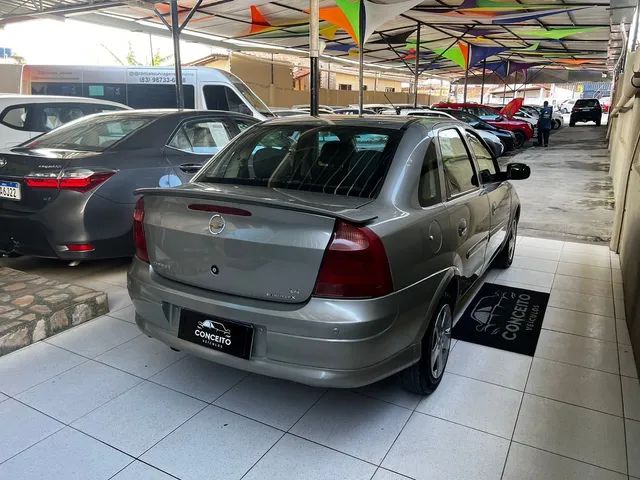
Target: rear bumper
(105, 225)
(585, 117)
(322, 342)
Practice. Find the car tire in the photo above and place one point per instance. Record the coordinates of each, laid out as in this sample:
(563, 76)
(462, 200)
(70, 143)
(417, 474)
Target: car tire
(572, 124)
(424, 376)
(598, 122)
(504, 259)
(520, 139)
(557, 124)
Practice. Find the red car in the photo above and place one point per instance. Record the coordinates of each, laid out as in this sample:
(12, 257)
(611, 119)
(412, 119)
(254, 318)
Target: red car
(502, 119)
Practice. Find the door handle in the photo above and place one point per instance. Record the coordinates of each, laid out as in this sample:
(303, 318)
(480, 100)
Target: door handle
(190, 167)
(494, 207)
(462, 228)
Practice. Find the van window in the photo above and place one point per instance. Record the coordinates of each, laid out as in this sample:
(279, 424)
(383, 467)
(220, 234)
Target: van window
(56, 88)
(145, 95)
(458, 169)
(15, 117)
(114, 92)
(221, 97)
(201, 136)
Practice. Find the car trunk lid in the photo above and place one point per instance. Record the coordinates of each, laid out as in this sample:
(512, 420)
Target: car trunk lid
(254, 242)
(21, 162)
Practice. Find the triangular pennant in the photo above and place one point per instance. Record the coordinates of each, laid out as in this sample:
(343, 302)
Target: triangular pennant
(478, 53)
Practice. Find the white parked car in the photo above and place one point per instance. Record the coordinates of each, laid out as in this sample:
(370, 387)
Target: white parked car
(23, 117)
(492, 140)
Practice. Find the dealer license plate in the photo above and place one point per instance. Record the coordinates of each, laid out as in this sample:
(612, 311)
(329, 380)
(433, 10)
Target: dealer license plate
(10, 190)
(212, 332)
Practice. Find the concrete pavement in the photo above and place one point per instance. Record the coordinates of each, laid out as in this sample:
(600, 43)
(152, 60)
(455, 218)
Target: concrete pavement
(569, 195)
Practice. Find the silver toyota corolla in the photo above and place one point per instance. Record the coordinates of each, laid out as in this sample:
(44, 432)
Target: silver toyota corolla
(329, 251)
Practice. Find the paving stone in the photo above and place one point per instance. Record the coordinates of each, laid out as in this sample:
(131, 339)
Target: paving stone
(33, 308)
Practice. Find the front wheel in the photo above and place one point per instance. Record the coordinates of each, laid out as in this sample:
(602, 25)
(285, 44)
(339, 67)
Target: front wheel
(505, 257)
(520, 139)
(425, 376)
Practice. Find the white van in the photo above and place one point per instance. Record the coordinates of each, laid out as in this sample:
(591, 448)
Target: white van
(23, 117)
(140, 87)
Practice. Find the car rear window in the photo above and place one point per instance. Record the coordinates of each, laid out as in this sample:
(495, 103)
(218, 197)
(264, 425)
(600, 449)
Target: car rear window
(587, 103)
(92, 133)
(337, 160)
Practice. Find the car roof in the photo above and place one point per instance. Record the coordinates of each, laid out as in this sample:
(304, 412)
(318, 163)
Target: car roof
(391, 122)
(7, 98)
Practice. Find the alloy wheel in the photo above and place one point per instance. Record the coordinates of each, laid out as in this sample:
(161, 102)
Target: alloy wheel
(441, 341)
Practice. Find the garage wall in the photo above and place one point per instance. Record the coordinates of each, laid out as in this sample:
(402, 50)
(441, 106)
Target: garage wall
(10, 79)
(624, 143)
(258, 73)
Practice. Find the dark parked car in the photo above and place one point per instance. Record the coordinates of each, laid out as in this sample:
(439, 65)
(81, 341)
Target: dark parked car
(507, 138)
(333, 249)
(69, 193)
(586, 110)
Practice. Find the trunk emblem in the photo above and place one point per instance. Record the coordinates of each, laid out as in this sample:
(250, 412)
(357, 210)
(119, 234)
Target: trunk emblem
(216, 224)
(3, 162)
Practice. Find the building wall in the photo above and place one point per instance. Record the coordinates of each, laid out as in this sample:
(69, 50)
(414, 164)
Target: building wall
(10, 79)
(258, 73)
(624, 143)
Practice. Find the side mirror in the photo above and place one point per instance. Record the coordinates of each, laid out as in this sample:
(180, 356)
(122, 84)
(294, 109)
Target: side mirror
(518, 171)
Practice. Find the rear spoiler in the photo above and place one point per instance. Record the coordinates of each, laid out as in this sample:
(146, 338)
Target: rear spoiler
(350, 215)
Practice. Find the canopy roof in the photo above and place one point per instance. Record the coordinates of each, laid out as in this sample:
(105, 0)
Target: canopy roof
(505, 35)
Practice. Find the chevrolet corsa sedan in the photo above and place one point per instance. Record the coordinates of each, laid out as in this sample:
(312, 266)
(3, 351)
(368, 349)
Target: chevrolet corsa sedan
(329, 251)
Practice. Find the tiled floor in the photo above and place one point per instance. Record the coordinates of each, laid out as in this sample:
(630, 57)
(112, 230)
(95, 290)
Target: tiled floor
(102, 401)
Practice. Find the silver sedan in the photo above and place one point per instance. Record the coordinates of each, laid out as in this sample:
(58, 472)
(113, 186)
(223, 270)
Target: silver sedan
(329, 251)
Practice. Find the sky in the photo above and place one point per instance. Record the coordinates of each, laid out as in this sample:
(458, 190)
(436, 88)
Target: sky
(70, 42)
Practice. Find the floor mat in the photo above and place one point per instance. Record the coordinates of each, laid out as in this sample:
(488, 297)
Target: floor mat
(503, 317)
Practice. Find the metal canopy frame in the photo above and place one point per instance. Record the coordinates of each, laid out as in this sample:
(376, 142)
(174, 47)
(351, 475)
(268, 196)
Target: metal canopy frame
(217, 22)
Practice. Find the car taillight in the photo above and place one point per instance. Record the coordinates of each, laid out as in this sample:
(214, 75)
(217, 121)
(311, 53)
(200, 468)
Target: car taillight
(139, 239)
(80, 180)
(355, 265)
(574, 109)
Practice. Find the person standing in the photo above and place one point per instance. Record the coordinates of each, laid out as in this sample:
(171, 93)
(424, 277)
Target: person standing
(544, 124)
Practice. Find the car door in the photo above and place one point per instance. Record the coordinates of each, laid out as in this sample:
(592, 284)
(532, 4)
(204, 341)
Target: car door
(194, 142)
(498, 193)
(467, 204)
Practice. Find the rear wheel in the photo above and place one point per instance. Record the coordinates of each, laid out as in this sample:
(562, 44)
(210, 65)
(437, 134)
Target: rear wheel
(425, 376)
(505, 257)
(572, 124)
(520, 139)
(598, 122)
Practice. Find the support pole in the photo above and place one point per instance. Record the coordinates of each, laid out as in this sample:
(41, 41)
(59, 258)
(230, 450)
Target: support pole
(175, 33)
(515, 78)
(416, 67)
(361, 29)
(466, 79)
(484, 69)
(314, 54)
(504, 92)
